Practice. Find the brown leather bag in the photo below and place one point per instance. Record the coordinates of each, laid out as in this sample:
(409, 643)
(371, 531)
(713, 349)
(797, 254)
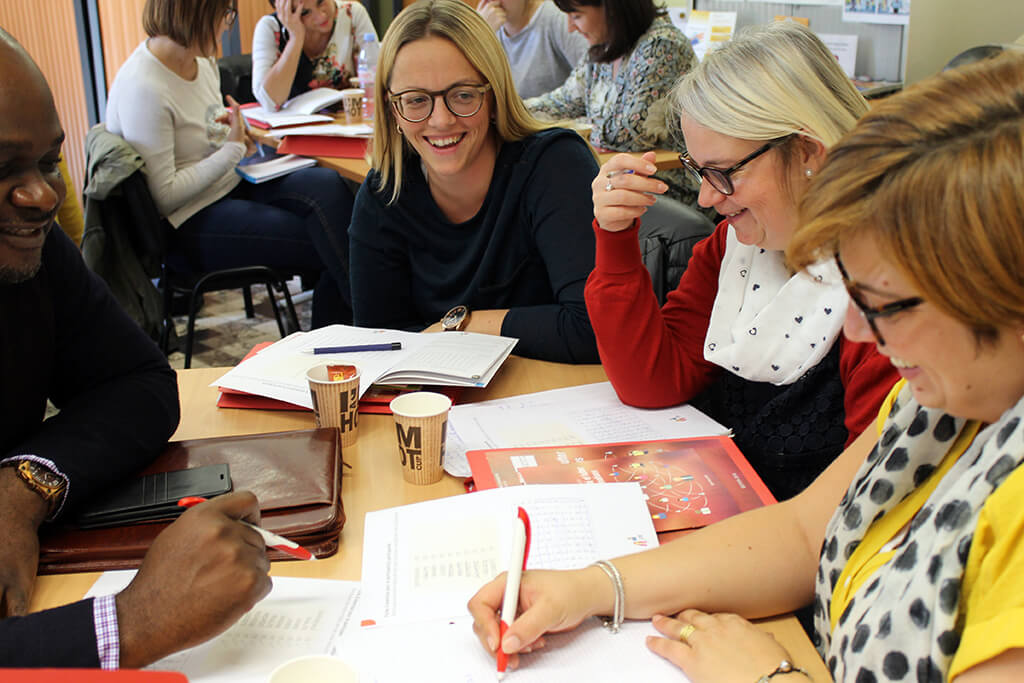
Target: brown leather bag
(295, 475)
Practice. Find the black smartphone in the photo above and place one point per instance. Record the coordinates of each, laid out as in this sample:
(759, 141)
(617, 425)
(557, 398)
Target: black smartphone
(154, 496)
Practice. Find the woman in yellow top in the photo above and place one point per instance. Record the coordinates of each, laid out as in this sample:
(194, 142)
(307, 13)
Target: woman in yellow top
(908, 544)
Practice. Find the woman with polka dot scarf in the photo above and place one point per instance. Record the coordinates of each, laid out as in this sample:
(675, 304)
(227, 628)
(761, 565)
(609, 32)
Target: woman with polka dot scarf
(908, 545)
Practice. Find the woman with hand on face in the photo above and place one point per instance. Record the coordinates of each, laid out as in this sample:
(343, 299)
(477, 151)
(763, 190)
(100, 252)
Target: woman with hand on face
(472, 208)
(622, 89)
(540, 47)
(743, 338)
(909, 547)
(304, 45)
(166, 103)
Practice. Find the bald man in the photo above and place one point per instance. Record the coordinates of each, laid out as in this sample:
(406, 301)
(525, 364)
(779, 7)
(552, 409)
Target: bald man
(63, 337)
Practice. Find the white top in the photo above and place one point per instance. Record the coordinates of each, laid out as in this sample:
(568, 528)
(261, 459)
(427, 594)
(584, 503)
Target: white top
(172, 124)
(544, 52)
(333, 68)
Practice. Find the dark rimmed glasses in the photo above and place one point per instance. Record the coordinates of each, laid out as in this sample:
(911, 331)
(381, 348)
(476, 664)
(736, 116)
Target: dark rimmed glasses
(871, 313)
(231, 15)
(719, 178)
(417, 105)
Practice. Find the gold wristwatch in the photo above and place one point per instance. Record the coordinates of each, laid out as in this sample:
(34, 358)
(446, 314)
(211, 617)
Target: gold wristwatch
(456, 319)
(40, 479)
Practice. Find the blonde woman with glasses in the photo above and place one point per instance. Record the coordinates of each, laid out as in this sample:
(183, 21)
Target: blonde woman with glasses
(908, 545)
(474, 213)
(744, 338)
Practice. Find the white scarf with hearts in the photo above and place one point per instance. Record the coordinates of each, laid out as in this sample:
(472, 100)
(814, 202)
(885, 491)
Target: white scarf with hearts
(768, 325)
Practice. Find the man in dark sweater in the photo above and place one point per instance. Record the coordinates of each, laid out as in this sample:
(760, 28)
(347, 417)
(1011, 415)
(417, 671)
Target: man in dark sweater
(64, 338)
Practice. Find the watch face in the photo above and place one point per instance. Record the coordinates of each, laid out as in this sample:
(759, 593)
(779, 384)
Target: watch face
(44, 476)
(453, 318)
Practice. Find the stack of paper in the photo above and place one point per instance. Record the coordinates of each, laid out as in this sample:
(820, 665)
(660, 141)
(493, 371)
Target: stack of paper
(272, 166)
(446, 359)
(297, 111)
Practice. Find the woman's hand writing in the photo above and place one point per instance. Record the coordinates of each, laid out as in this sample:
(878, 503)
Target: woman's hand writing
(238, 132)
(623, 190)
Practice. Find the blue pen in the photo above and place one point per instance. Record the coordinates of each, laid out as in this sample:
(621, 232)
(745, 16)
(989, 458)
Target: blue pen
(389, 346)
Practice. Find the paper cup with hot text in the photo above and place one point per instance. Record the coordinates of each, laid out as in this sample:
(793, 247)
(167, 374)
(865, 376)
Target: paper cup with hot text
(352, 98)
(335, 391)
(314, 668)
(421, 422)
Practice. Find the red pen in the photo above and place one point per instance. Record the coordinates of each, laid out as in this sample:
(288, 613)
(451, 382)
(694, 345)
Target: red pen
(517, 564)
(271, 539)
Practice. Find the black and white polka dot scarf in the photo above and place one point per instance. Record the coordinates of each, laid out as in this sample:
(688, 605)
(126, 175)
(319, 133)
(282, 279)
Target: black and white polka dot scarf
(901, 624)
(767, 324)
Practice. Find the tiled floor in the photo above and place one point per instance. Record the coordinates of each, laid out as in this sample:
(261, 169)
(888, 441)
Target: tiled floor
(224, 335)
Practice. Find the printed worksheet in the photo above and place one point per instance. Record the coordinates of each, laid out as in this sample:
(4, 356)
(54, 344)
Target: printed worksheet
(424, 561)
(299, 617)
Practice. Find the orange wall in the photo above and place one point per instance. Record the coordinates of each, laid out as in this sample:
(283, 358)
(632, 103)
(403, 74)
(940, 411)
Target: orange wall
(32, 24)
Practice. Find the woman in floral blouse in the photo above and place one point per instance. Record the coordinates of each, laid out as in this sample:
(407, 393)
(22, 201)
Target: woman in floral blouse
(622, 87)
(306, 44)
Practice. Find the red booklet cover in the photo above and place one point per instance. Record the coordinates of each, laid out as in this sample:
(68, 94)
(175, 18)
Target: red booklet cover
(323, 146)
(688, 483)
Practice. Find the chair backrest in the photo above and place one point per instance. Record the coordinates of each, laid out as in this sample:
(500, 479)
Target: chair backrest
(236, 77)
(668, 232)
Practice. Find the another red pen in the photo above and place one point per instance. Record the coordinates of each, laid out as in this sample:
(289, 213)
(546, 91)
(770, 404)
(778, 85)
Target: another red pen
(517, 564)
(271, 539)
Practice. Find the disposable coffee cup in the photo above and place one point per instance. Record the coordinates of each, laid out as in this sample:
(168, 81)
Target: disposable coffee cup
(312, 669)
(335, 391)
(421, 422)
(352, 98)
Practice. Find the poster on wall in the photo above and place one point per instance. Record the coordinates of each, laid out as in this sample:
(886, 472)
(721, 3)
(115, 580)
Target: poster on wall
(833, 3)
(843, 48)
(877, 11)
(707, 30)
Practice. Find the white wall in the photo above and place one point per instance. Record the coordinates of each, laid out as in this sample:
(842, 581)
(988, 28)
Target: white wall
(941, 29)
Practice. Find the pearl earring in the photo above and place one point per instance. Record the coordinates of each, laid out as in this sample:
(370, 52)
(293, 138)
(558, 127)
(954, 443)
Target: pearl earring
(808, 172)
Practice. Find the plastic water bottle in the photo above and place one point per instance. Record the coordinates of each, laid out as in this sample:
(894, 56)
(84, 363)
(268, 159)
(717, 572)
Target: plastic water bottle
(366, 72)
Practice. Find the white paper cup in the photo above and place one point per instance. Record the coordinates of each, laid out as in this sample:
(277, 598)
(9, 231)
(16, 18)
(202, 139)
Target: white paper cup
(352, 98)
(335, 402)
(421, 423)
(314, 669)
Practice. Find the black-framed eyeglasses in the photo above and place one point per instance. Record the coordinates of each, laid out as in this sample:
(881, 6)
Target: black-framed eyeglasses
(719, 178)
(870, 313)
(417, 105)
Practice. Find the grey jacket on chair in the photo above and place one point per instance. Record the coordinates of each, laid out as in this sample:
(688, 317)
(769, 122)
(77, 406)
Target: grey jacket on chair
(668, 232)
(126, 256)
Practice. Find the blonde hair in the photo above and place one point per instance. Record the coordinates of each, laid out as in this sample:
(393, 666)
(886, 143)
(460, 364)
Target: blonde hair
(771, 82)
(459, 23)
(934, 176)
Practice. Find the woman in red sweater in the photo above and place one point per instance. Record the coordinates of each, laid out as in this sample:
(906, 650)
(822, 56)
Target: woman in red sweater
(745, 339)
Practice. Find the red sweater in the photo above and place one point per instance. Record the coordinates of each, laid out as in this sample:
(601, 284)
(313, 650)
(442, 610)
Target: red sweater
(654, 356)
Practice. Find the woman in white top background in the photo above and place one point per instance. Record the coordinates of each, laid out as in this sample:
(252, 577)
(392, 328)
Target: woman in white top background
(304, 45)
(166, 103)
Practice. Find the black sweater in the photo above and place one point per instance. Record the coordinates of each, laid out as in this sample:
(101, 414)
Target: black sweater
(529, 249)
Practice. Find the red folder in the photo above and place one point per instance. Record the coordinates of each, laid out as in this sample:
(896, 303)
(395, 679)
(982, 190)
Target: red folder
(323, 146)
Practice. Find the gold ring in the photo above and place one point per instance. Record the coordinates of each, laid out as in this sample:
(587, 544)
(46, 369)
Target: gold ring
(685, 634)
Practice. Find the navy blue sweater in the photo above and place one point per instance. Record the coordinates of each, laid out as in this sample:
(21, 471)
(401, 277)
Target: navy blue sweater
(64, 337)
(529, 249)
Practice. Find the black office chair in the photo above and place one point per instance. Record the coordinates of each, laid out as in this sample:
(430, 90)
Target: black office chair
(668, 232)
(132, 208)
(236, 77)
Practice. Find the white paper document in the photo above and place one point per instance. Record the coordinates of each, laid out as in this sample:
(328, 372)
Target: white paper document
(299, 617)
(426, 560)
(590, 413)
(339, 130)
(422, 563)
(446, 359)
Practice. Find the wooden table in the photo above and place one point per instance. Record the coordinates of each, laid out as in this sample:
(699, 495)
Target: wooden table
(374, 481)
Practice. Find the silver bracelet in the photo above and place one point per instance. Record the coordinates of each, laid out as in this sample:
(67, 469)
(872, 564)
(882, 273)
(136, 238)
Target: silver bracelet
(784, 667)
(613, 622)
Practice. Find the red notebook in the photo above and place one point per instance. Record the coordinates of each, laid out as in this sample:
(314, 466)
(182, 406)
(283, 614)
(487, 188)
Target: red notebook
(376, 401)
(688, 483)
(323, 146)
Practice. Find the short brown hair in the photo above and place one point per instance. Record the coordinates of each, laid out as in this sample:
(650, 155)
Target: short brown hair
(189, 23)
(935, 175)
